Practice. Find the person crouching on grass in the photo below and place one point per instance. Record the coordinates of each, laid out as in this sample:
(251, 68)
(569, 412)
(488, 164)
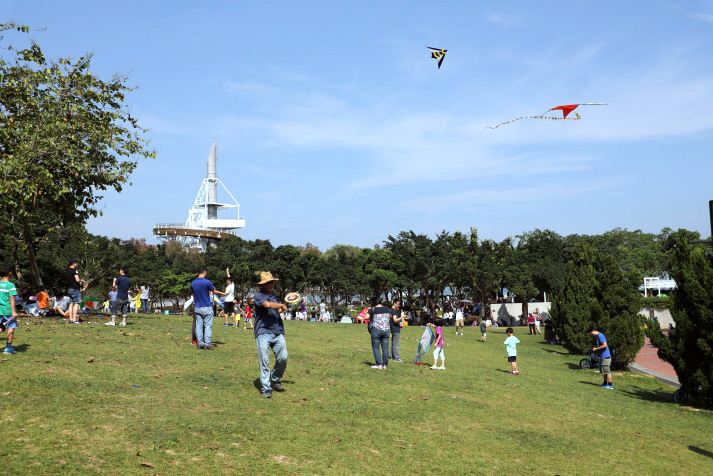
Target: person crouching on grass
(511, 343)
(8, 313)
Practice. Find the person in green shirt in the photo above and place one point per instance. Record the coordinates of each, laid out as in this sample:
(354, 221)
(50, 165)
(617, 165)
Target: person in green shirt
(8, 313)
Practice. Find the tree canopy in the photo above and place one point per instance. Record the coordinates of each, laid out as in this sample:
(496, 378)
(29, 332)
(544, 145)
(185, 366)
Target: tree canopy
(65, 136)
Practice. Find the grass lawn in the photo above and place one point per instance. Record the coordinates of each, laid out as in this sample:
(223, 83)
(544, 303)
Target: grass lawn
(104, 400)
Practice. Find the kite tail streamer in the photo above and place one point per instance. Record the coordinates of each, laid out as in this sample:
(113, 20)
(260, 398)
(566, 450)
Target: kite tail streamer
(549, 118)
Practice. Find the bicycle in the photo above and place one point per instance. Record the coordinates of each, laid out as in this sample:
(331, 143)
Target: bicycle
(591, 362)
(681, 395)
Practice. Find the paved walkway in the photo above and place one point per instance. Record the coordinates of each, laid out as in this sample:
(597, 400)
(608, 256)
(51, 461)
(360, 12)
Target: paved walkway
(648, 362)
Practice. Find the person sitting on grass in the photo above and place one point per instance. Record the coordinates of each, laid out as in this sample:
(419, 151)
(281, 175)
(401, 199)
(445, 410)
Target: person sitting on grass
(439, 345)
(61, 305)
(511, 343)
(602, 350)
(8, 313)
(43, 302)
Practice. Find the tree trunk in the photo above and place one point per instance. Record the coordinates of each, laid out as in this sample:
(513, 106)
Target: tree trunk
(34, 270)
(18, 269)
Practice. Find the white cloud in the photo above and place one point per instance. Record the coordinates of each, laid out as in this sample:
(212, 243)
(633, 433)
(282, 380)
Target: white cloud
(503, 20)
(473, 200)
(706, 17)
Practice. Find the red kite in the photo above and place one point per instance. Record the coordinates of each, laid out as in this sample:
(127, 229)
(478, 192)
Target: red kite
(566, 110)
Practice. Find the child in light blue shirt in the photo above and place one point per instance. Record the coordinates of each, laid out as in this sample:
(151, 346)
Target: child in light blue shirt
(511, 345)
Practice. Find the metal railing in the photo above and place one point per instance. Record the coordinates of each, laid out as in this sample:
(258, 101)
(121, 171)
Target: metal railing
(181, 226)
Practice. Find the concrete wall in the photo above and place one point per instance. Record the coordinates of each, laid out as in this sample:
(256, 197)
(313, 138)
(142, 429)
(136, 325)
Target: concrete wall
(513, 311)
(663, 315)
(543, 307)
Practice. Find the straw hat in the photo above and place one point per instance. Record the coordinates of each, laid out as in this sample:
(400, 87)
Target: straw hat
(266, 277)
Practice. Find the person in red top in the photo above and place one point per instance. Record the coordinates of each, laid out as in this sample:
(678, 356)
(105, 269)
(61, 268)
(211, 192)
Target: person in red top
(531, 323)
(248, 315)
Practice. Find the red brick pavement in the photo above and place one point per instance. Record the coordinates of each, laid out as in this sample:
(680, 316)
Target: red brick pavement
(648, 359)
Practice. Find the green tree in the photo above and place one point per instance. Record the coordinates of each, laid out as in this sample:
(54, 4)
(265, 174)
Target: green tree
(574, 306)
(690, 348)
(597, 292)
(65, 136)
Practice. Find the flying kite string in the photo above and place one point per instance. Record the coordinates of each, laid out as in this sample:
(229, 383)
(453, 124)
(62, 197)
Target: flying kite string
(566, 110)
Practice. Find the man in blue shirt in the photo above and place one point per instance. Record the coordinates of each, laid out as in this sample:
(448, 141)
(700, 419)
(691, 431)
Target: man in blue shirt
(269, 334)
(602, 350)
(201, 289)
(121, 306)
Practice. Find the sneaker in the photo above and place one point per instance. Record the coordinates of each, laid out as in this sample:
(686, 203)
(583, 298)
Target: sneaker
(9, 350)
(199, 347)
(207, 347)
(234, 325)
(110, 324)
(397, 360)
(226, 325)
(122, 323)
(434, 368)
(604, 385)
(194, 342)
(516, 372)
(266, 393)
(442, 367)
(277, 386)
(609, 387)
(376, 366)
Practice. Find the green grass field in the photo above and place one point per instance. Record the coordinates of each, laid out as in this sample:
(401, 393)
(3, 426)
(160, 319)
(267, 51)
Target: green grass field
(94, 399)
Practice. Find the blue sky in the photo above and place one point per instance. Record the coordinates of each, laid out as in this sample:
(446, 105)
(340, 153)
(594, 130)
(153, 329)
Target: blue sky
(335, 126)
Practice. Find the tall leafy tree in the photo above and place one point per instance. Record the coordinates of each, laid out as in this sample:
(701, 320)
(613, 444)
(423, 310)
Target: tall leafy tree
(597, 292)
(690, 348)
(65, 136)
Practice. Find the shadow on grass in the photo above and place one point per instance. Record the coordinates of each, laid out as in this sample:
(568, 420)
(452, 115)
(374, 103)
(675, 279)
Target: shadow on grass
(590, 383)
(650, 395)
(505, 371)
(701, 451)
(22, 347)
(573, 366)
(556, 352)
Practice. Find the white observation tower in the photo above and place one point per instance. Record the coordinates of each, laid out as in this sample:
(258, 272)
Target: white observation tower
(203, 227)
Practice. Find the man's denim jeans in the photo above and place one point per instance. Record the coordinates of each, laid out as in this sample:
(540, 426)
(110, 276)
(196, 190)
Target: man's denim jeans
(277, 343)
(380, 341)
(204, 325)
